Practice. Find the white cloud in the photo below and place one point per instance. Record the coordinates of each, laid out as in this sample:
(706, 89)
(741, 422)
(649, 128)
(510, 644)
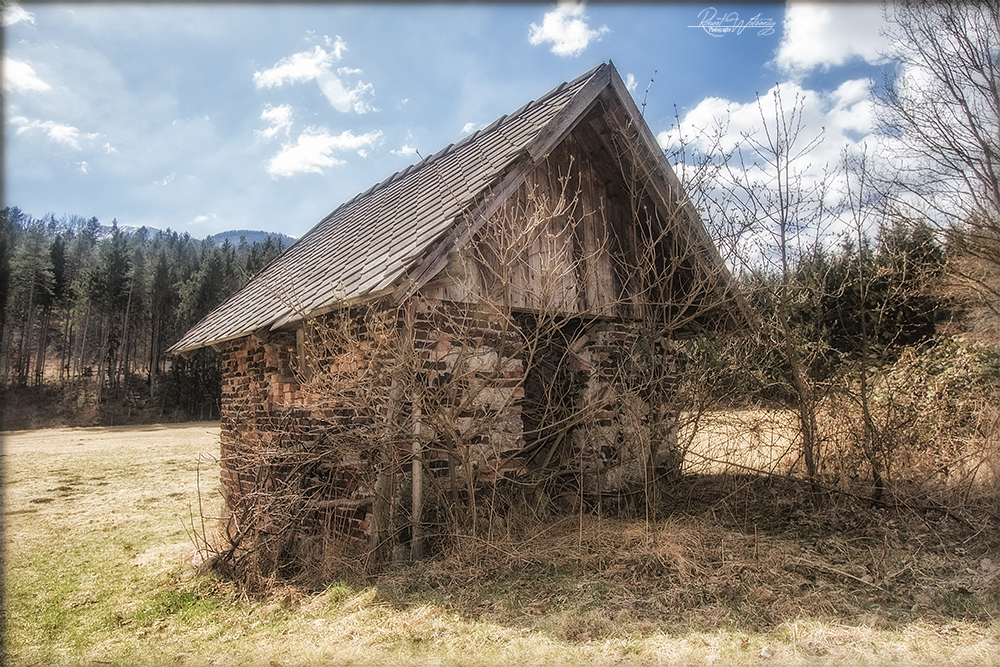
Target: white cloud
(279, 118)
(841, 119)
(630, 82)
(318, 65)
(405, 150)
(851, 107)
(109, 149)
(344, 100)
(825, 35)
(84, 167)
(21, 76)
(566, 28)
(338, 46)
(57, 132)
(469, 128)
(303, 66)
(14, 13)
(314, 150)
(845, 114)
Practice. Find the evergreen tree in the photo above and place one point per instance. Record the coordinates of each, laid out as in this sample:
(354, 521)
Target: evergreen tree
(115, 301)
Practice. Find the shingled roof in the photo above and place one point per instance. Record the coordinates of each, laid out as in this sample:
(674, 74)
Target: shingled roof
(396, 236)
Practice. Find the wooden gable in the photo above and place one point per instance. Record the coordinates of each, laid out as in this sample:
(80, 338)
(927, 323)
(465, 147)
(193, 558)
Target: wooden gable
(589, 233)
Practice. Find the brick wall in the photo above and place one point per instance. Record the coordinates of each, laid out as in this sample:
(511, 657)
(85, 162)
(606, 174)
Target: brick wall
(281, 423)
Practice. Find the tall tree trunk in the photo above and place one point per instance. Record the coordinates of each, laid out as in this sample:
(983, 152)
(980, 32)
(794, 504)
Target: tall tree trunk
(121, 372)
(80, 358)
(42, 346)
(102, 360)
(869, 434)
(24, 358)
(154, 353)
(67, 351)
(805, 398)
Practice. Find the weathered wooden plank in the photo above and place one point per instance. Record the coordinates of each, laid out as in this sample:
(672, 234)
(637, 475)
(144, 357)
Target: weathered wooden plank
(464, 230)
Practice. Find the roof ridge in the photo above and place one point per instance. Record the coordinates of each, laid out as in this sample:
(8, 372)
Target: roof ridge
(461, 143)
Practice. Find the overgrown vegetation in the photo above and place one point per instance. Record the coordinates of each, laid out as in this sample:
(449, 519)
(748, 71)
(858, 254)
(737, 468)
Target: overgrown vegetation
(840, 485)
(460, 410)
(865, 331)
(874, 284)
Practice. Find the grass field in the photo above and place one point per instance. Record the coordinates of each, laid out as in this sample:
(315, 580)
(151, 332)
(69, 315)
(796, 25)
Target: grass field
(100, 570)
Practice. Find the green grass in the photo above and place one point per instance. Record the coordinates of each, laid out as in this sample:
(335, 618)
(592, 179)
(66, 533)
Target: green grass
(100, 570)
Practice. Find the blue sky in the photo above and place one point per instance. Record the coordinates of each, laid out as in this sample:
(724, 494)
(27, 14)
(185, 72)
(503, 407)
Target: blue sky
(205, 118)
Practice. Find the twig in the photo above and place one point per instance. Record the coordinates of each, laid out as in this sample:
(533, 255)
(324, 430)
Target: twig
(833, 570)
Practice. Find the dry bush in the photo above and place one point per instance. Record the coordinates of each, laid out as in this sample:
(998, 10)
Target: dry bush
(279, 530)
(934, 415)
(931, 431)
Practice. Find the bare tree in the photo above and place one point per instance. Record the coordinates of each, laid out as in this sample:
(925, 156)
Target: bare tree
(781, 209)
(861, 203)
(940, 110)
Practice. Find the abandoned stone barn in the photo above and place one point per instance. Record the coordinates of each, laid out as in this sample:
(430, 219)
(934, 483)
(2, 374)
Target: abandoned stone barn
(492, 327)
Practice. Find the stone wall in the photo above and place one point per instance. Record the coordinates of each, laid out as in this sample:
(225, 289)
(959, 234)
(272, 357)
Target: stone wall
(632, 439)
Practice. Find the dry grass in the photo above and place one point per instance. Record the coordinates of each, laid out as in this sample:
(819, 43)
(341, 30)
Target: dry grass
(738, 570)
(724, 441)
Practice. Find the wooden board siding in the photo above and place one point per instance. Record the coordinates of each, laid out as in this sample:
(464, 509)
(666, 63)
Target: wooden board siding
(582, 263)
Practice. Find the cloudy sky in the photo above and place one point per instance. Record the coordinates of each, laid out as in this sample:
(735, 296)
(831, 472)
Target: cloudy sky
(258, 116)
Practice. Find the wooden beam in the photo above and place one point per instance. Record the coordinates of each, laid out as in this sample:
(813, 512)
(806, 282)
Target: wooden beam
(463, 230)
(341, 502)
(564, 122)
(417, 487)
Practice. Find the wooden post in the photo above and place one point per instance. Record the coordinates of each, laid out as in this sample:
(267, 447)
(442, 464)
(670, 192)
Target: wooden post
(416, 536)
(305, 372)
(382, 536)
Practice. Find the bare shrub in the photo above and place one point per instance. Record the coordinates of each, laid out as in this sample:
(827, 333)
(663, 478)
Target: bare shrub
(934, 418)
